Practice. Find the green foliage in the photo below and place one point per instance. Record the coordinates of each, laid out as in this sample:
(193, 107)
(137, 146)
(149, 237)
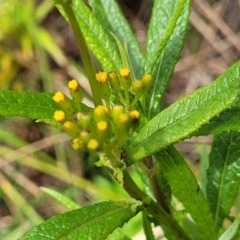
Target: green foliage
(176, 171)
(186, 115)
(165, 39)
(27, 104)
(232, 230)
(86, 223)
(140, 132)
(223, 175)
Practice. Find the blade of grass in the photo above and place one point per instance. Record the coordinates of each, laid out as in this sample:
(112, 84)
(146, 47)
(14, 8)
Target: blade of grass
(19, 201)
(54, 171)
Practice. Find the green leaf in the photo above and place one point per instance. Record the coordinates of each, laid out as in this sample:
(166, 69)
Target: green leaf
(97, 39)
(185, 116)
(118, 234)
(91, 222)
(223, 174)
(33, 105)
(185, 187)
(165, 39)
(232, 230)
(228, 120)
(111, 17)
(65, 201)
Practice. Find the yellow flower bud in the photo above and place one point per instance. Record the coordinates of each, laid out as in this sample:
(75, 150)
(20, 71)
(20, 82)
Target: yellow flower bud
(59, 97)
(104, 88)
(75, 91)
(137, 87)
(59, 115)
(64, 102)
(93, 144)
(84, 119)
(77, 144)
(100, 113)
(147, 80)
(134, 115)
(114, 81)
(103, 130)
(116, 111)
(125, 80)
(101, 77)
(102, 126)
(85, 136)
(71, 128)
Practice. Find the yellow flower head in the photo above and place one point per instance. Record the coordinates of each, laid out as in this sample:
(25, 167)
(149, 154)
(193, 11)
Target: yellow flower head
(102, 126)
(59, 115)
(147, 80)
(123, 118)
(100, 113)
(59, 97)
(73, 85)
(125, 73)
(68, 125)
(137, 87)
(112, 75)
(93, 144)
(77, 144)
(135, 115)
(101, 77)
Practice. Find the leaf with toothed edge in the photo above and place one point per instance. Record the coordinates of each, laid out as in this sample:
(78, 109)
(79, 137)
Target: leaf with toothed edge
(185, 187)
(186, 116)
(223, 174)
(91, 222)
(95, 36)
(33, 105)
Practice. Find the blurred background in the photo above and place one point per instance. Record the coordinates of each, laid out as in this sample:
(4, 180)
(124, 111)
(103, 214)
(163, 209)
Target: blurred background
(38, 52)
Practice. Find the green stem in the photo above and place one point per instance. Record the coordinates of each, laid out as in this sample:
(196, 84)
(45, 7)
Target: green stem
(153, 208)
(84, 51)
(147, 226)
(127, 98)
(136, 98)
(121, 98)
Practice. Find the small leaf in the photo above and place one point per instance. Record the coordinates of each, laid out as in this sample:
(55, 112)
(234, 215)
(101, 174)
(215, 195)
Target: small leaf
(91, 222)
(232, 230)
(65, 201)
(185, 187)
(223, 174)
(97, 39)
(165, 40)
(27, 104)
(110, 16)
(185, 116)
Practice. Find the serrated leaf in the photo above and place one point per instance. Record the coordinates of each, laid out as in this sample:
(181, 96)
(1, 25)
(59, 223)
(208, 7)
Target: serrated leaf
(91, 222)
(97, 39)
(65, 201)
(185, 116)
(165, 39)
(232, 230)
(223, 174)
(110, 16)
(228, 120)
(33, 105)
(185, 187)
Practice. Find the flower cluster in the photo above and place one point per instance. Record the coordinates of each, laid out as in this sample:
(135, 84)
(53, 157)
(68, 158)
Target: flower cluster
(107, 126)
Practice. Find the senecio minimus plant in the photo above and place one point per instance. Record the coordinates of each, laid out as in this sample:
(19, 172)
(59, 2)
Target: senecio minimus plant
(131, 130)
